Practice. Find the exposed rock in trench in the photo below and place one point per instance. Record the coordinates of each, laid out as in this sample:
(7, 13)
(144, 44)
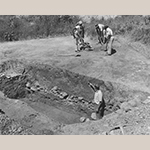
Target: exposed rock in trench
(61, 88)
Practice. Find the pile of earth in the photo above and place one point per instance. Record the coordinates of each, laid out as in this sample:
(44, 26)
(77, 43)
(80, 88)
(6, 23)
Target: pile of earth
(9, 126)
(67, 91)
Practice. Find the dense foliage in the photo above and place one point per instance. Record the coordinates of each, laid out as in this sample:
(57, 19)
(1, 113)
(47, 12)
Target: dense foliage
(14, 28)
(136, 26)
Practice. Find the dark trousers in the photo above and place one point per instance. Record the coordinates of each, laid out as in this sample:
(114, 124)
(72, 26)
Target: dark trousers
(101, 109)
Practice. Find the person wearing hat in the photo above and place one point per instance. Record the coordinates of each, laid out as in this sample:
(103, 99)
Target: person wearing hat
(79, 26)
(99, 29)
(105, 36)
(99, 101)
(109, 39)
(78, 34)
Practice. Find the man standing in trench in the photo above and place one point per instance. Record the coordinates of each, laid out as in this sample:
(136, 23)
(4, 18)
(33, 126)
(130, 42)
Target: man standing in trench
(99, 101)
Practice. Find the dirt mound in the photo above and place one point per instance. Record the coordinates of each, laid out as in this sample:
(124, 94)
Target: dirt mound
(135, 122)
(9, 126)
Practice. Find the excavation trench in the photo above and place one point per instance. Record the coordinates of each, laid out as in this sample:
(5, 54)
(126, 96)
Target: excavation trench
(60, 94)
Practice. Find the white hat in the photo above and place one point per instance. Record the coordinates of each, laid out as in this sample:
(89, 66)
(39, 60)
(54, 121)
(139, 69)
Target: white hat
(80, 22)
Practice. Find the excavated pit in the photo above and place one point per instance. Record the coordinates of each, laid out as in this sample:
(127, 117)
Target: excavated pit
(60, 94)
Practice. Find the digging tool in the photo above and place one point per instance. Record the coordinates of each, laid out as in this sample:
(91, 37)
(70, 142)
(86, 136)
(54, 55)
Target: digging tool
(116, 128)
(85, 46)
(92, 86)
(78, 55)
(119, 127)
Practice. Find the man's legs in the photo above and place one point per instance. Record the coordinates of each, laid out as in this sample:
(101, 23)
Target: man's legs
(77, 44)
(100, 37)
(77, 38)
(80, 43)
(101, 109)
(109, 45)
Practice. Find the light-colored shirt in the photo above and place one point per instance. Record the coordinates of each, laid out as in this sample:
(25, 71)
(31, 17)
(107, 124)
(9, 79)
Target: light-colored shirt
(108, 32)
(79, 31)
(78, 27)
(101, 26)
(98, 96)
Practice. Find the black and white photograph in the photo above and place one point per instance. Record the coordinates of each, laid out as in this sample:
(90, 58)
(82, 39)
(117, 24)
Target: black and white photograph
(74, 74)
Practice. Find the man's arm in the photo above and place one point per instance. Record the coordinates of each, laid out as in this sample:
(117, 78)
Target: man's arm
(83, 31)
(73, 32)
(92, 86)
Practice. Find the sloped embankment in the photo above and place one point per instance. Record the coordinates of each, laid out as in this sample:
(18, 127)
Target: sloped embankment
(67, 93)
(9, 126)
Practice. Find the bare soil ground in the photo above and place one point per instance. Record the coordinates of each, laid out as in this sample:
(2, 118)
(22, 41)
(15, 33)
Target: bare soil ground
(124, 77)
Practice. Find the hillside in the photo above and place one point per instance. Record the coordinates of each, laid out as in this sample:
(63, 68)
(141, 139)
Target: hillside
(124, 75)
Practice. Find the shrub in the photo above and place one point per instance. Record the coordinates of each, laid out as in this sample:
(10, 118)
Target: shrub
(142, 34)
(136, 26)
(14, 28)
